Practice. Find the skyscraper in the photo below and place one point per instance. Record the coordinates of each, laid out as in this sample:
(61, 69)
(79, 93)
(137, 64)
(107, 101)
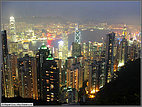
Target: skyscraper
(40, 59)
(109, 56)
(77, 38)
(60, 47)
(123, 52)
(94, 75)
(7, 80)
(76, 49)
(76, 46)
(12, 29)
(27, 77)
(125, 35)
(65, 46)
(1, 59)
(48, 75)
(13, 48)
(14, 70)
(50, 79)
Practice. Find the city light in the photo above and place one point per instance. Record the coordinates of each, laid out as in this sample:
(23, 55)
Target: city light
(11, 18)
(94, 91)
(43, 47)
(67, 60)
(120, 64)
(61, 43)
(91, 96)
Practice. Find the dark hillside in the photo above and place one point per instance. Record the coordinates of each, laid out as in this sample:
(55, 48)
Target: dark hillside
(124, 90)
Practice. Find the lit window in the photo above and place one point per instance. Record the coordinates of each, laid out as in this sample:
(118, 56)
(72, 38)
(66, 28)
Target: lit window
(52, 86)
(47, 74)
(48, 97)
(47, 81)
(54, 67)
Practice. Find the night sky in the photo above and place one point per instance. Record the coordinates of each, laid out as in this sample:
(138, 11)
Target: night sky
(111, 11)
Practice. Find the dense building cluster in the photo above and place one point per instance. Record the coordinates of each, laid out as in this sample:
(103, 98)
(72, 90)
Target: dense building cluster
(59, 74)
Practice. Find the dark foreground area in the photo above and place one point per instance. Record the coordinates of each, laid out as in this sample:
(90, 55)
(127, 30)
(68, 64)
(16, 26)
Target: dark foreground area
(124, 90)
(27, 100)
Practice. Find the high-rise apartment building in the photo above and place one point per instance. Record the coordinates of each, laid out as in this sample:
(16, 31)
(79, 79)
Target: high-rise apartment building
(7, 80)
(76, 49)
(47, 75)
(110, 39)
(75, 72)
(123, 52)
(14, 70)
(27, 77)
(94, 76)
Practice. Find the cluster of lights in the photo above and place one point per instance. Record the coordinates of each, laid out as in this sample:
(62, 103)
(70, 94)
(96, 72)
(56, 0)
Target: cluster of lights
(94, 91)
(91, 94)
(61, 43)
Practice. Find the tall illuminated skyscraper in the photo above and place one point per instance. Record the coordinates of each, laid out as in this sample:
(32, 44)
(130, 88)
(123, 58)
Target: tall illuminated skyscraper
(75, 74)
(94, 75)
(125, 33)
(123, 52)
(110, 38)
(7, 80)
(40, 59)
(76, 46)
(60, 47)
(13, 44)
(48, 75)
(77, 38)
(14, 69)
(84, 50)
(65, 46)
(1, 59)
(50, 80)
(12, 29)
(27, 77)
(59, 65)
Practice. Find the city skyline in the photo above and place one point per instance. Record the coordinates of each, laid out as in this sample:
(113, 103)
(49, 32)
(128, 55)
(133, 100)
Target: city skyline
(70, 53)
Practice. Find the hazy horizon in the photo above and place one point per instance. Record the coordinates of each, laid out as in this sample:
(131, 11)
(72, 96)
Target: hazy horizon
(109, 11)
